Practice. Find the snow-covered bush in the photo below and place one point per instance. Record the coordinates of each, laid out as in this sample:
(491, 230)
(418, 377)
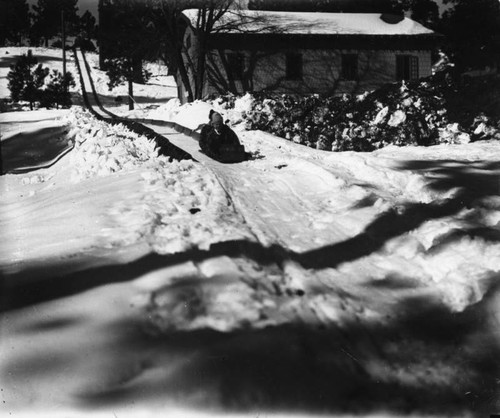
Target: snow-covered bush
(400, 114)
(484, 127)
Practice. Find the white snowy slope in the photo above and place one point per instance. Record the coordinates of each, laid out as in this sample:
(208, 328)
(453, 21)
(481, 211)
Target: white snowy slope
(398, 203)
(111, 190)
(298, 283)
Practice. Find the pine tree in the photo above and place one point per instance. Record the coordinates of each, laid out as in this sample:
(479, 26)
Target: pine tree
(87, 25)
(87, 30)
(121, 70)
(56, 92)
(426, 12)
(25, 83)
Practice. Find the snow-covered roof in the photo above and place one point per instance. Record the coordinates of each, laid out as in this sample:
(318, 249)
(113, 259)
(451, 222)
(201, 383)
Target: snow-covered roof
(311, 23)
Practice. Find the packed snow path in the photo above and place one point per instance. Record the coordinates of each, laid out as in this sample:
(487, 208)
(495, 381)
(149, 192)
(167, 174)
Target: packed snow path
(277, 201)
(87, 87)
(291, 205)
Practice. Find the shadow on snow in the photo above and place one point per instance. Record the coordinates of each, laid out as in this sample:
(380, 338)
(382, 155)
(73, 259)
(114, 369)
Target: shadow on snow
(427, 360)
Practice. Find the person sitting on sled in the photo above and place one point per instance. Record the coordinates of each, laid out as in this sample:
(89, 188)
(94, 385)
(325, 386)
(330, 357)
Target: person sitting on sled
(218, 139)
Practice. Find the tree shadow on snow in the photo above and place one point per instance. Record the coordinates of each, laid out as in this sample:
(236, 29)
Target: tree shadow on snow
(468, 183)
(6, 61)
(33, 284)
(429, 361)
(471, 181)
(426, 359)
(120, 99)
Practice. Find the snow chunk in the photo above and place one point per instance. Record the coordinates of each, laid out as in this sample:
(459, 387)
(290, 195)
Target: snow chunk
(381, 115)
(397, 118)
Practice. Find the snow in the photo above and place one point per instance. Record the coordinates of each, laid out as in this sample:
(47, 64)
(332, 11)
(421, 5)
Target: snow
(301, 282)
(162, 219)
(304, 199)
(311, 23)
(147, 97)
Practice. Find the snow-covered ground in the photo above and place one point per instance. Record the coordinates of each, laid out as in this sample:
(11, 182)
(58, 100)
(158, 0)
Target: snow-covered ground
(299, 282)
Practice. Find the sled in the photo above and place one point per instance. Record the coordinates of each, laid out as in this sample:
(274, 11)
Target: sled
(230, 154)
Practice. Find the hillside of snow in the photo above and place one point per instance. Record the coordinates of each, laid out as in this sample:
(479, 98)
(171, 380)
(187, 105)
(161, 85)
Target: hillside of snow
(298, 283)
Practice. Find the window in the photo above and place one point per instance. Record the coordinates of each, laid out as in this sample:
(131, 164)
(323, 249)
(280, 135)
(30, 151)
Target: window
(406, 67)
(235, 64)
(294, 66)
(349, 66)
(188, 41)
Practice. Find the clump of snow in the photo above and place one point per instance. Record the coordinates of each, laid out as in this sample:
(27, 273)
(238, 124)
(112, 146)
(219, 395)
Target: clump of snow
(102, 149)
(165, 111)
(452, 134)
(234, 108)
(397, 118)
(193, 114)
(219, 306)
(381, 115)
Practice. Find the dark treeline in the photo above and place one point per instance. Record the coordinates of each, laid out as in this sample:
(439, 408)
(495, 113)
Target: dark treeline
(333, 6)
(20, 24)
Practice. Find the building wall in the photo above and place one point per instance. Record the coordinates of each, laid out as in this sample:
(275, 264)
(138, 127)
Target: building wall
(321, 71)
(266, 70)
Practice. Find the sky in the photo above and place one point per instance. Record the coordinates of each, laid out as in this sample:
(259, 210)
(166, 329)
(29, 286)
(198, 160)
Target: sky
(90, 5)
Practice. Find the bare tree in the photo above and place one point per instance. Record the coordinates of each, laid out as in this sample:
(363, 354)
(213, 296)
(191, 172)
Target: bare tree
(193, 63)
(218, 71)
(187, 66)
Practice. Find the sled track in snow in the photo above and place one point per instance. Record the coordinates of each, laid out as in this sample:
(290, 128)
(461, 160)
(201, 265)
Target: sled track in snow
(253, 250)
(94, 105)
(179, 146)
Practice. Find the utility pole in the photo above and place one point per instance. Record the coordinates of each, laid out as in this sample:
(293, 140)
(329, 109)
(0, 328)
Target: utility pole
(1, 158)
(63, 34)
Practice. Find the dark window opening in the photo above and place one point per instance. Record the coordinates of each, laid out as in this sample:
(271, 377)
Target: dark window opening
(235, 62)
(349, 66)
(294, 66)
(406, 67)
(188, 41)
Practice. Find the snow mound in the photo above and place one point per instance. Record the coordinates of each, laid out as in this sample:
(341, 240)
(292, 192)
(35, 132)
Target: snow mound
(102, 149)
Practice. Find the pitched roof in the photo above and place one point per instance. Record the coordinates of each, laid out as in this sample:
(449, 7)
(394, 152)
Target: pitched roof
(310, 23)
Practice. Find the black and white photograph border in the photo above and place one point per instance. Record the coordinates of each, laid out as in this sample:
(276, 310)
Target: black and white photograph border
(261, 208)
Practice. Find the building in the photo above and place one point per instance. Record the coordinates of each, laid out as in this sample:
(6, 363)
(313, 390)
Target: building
(310, 52)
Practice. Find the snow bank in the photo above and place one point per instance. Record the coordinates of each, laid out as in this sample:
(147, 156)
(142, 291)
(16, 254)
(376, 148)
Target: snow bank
(127, 195)
(182, 204)
(102, 149)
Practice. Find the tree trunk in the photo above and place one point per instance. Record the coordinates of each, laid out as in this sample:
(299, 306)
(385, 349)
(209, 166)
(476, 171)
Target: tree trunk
(200, 68)
(130, 95)
(185, 78)
(137, 70)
